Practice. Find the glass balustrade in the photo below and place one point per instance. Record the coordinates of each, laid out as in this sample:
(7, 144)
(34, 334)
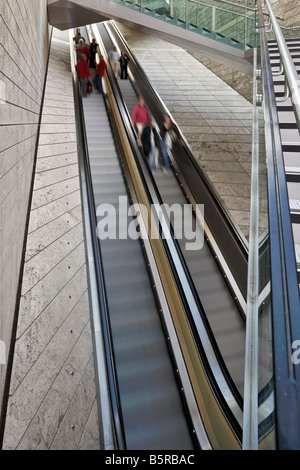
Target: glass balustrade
(233, 23)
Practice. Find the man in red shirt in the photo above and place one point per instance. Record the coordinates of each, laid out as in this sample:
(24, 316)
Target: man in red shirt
(83, 73)
(101, 68)
(140, 117)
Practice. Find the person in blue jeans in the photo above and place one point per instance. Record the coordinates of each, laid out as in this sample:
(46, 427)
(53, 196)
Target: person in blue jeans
(167, 132)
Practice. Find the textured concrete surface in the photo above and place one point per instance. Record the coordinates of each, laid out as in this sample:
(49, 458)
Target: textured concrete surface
(52, 403)
(215, 119)
(22, 74)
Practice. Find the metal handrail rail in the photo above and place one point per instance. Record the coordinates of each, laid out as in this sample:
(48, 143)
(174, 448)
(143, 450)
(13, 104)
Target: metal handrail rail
(226, 2)
(289, 28)
(285, 288)
(289, 68)
(221, 1)
(215, 7)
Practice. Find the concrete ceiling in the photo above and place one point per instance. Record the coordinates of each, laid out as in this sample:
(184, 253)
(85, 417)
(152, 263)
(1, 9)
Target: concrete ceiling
(64, 14)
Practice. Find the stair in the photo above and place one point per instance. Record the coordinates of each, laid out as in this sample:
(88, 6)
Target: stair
(198, 19)
(290, 136)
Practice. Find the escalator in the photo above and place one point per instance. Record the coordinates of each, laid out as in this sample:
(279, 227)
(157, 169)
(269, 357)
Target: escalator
(221, 297)
(224, 317)
(212, 405)
(153, 414)
(224, 263)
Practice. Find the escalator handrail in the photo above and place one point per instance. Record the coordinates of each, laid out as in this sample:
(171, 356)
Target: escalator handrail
(285, 289)
(116, 409)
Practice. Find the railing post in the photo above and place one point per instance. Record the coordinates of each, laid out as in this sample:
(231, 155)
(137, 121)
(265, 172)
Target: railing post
(213, 26)
(171, 8)
(246, 25)
(185, 11)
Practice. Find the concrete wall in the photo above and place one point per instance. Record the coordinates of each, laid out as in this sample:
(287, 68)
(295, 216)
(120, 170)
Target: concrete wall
(240, 82)
(24, 42)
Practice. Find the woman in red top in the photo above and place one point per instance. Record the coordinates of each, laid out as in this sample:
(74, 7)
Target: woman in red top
(84, 73)
(140, 117)
(101, 68)
(83, 48)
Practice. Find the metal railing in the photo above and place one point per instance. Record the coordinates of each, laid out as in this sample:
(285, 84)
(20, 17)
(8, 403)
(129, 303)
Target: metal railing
(228, 19)
(292, 81)
(285, 304)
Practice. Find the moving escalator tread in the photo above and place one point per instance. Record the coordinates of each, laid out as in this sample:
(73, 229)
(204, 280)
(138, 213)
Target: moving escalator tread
(152, 409)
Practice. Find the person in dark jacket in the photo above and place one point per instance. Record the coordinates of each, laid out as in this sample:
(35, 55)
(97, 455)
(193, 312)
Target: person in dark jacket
(124, 60)
(168, 132)
(151, 142)
(93, 52)
(78, 36)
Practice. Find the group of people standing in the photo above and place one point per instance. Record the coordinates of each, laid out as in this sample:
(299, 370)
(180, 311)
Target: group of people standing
(87, 66)
(117, 60)
(152, 142)
(87, 62)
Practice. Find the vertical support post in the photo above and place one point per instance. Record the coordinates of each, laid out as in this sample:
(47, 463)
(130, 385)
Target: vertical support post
(172, 8)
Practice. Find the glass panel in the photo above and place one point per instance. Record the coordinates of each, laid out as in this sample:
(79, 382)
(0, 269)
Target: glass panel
(200, 15)
(227, 18)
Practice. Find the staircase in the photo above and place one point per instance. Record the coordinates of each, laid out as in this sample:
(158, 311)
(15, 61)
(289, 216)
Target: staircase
(228, 24)
(290, 137)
